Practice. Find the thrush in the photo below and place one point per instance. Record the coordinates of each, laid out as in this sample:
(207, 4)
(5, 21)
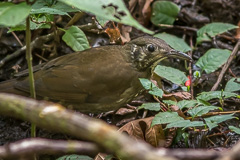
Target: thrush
(97, 79)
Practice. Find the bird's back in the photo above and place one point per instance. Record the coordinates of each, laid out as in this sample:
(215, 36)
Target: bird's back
(102, 75)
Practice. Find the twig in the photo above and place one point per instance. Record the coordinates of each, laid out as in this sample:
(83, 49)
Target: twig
(179, 27)
(41, 57)
(28, 147)
(75, 18)
(34, 44)
(190, 69)
(16, 37)
(225, 67)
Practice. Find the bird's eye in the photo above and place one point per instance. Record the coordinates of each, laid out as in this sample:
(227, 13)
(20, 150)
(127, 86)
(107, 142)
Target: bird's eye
(151, 48)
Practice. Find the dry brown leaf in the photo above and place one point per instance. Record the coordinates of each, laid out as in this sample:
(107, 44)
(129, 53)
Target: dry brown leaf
(114, 35)
(178, 95)
(238, 31)
(171, 133)
(125, 32)
(141, 10)
(141, 129)
(100, 156)
(124, 111)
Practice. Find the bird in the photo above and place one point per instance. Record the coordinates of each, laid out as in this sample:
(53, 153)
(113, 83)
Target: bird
(98, 79)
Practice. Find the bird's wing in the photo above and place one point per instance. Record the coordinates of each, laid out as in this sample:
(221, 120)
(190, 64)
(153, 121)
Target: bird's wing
(91, 75)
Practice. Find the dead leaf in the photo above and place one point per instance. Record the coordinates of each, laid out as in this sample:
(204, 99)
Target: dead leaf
(170, 135)
(124, 111)
(100, 156)
(238, 31)
(125, 32)
(141, 10)
(178, 95)
(114, 35)
(141, 129)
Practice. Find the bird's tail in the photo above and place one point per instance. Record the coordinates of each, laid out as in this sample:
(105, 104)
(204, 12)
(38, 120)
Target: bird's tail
(8, 87)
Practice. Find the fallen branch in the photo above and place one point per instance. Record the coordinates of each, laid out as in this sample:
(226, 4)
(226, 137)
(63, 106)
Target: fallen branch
(56, 118)
(28, 147)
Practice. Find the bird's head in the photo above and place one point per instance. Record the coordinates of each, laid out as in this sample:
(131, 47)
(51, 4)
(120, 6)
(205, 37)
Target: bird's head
(147, 51)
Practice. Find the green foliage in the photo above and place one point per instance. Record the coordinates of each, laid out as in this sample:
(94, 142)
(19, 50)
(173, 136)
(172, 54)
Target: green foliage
(164, 12)
(175, 42)
(214, 120)
(206, 96)
(196, 108)
(13, 14)
(59, 8)
(172, 119)
(185, 123)
(166, 117)
(171, 74)
(40, 22)
(151, 87)
(187, 104)
(76, 39)
(233, 85)
(100, 8)
(213, 29)
(103, 21)
(234, 129)
(150, 106)
(75, 157)
(201, 110)
(169, 102)
(213, 59)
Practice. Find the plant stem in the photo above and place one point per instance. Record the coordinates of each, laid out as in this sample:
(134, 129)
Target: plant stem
(30, 69)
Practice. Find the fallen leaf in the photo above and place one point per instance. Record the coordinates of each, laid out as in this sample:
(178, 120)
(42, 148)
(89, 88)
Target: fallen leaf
(141, 130)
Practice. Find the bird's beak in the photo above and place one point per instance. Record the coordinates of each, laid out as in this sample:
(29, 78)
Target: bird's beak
(177, 54)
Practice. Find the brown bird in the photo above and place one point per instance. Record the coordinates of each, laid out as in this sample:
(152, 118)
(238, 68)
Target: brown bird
(97, 79)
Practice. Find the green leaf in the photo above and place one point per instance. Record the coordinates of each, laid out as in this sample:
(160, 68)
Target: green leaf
(233, 85)
(60, 7)
(109, 157)
(177, 43)
(76, 39)
(33, 26)
(174, 75)
(197, 74)
(99, 7)
(103, 21)
(234, 129)
(150, 106)
(213, 59)
(212, 30)
(215, 120)
(151, 87)
(201, 110)
(48, 11)
(13, 14)
(204, 103)
(166, 117)
(187, 104)
(185, 124)
(203, 38)
(206, 96)
(164, 12)
(169, 102)
(75, 157)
